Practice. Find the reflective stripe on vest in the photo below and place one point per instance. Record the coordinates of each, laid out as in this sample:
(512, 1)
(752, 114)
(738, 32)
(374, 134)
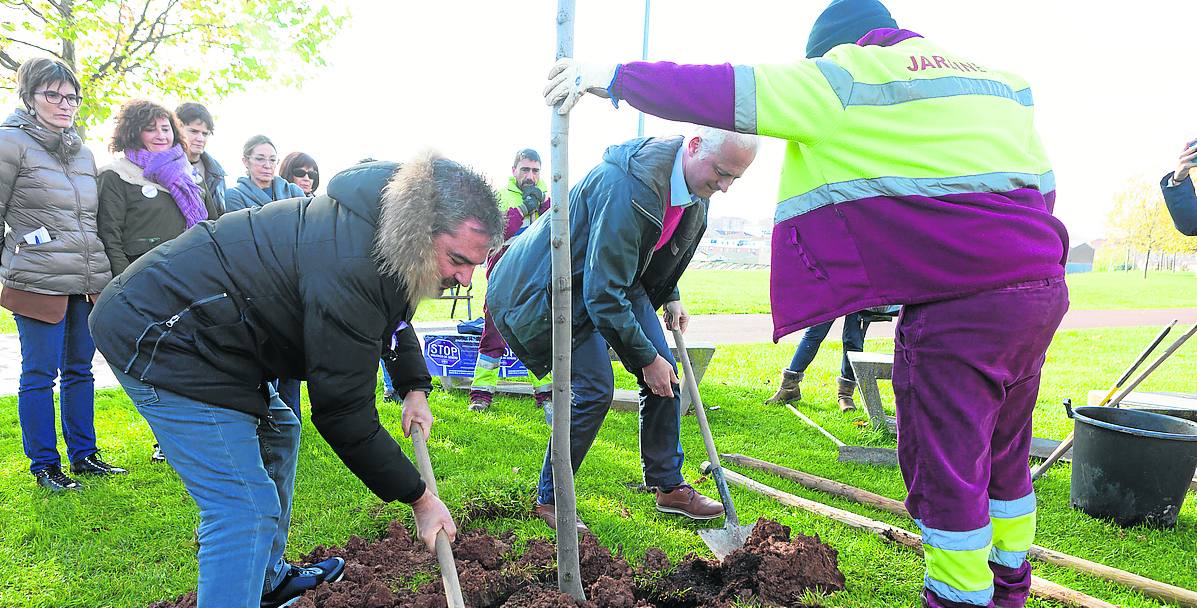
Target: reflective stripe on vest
(857, 189)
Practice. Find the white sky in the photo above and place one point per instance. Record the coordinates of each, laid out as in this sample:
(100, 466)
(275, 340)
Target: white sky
(1114, 86)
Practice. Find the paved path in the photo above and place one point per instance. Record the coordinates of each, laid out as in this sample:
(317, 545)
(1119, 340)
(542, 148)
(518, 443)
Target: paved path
(720, 329)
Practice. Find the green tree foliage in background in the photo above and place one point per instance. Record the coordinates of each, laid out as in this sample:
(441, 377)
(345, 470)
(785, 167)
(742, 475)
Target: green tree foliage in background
(174, 49)
(1140, 221)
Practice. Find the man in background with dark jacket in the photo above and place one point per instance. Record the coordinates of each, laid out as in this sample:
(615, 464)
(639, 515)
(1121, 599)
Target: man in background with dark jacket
(306, 288)
(635, 221)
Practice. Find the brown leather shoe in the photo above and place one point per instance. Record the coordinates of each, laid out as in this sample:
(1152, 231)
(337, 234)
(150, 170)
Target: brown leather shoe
(685, 500)
(549, 514)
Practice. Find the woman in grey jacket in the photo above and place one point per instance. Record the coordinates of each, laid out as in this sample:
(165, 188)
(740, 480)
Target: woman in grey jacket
(52, 267)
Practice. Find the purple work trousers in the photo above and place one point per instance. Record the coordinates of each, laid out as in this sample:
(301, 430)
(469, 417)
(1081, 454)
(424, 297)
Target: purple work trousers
(966, 378)
(491, 344)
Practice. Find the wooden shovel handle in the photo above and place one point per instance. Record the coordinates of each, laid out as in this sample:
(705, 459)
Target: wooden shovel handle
(444, 552)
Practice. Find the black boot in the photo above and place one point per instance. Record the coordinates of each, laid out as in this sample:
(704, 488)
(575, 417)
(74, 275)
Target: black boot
(92, 465)
(53, 479)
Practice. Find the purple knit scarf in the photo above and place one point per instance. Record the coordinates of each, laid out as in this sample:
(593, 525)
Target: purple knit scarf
(171, 169)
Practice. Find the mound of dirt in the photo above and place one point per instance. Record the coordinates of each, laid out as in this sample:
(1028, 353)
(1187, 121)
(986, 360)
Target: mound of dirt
(772, 568)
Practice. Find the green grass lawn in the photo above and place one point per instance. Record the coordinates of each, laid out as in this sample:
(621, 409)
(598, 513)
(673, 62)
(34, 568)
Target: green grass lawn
(708, 292)
(128, 541)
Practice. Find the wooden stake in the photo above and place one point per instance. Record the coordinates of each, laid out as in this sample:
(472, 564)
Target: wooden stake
(569, 569)
(1039, 587)
(1146, 586)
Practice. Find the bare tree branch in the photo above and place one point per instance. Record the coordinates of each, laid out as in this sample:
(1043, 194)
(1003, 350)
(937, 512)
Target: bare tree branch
(153, 36)
(30, 44)
(7, 61)
(29, 7)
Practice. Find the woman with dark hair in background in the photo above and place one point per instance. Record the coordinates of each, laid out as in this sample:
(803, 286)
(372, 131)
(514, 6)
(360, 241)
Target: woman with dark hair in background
(147, 195)
(257, 188)
(51, 267)
(301, 169)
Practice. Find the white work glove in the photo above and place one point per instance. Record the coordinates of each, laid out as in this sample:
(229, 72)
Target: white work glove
(569, 79)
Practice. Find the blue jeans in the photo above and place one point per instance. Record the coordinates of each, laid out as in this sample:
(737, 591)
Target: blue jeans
(240, 470)
(62, 351)
(854, 336)
(387, 385)
(593, 389)
(288, 391)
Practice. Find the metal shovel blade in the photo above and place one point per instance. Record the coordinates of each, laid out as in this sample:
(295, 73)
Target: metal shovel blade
(884, 457)
(722, 541)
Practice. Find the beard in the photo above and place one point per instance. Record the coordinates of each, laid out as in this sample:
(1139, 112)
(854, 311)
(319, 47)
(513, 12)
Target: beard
(527, 183)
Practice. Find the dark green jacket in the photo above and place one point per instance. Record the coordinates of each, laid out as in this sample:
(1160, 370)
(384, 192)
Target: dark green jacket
(132, 223)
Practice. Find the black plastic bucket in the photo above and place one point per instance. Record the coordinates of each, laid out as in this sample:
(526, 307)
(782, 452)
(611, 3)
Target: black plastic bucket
(1131, 466)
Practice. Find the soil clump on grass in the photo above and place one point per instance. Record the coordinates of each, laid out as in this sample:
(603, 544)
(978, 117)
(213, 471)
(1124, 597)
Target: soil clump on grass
(772, 569)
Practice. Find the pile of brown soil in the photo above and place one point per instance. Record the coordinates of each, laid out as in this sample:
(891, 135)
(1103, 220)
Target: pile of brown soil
(772, 569)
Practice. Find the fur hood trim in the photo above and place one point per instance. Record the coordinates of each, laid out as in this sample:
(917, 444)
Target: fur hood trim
(403, 245)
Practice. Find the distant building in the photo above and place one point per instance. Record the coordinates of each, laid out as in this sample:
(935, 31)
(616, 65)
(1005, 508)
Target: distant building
(1080, 258)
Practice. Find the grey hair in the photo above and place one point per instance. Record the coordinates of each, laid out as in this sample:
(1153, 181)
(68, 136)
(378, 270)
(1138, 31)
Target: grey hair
(254, 142)
(463, 194)
(711, 140)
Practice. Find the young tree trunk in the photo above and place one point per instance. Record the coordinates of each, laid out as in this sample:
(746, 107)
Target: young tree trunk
(569, 569)
(1146, 262)
(67, 9)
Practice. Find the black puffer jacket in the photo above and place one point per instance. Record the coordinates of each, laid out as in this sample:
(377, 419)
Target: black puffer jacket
(615, 219)
(293, 289)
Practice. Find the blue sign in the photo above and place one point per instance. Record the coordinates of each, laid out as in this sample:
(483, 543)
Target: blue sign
(444, 352)
(456, 355)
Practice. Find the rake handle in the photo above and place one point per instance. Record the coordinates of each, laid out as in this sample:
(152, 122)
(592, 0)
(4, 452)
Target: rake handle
(1109, 400)
(1154, 364)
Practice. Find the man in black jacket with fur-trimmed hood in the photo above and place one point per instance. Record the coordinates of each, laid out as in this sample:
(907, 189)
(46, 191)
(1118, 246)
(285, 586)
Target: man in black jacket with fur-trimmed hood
(635, 221)
(312, 288)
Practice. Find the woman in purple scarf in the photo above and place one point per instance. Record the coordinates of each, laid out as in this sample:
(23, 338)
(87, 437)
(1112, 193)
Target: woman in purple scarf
(148, 195)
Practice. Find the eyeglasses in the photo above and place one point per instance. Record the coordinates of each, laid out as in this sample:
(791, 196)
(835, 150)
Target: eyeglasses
(298, 172)
(264, 160)
(55, 98)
